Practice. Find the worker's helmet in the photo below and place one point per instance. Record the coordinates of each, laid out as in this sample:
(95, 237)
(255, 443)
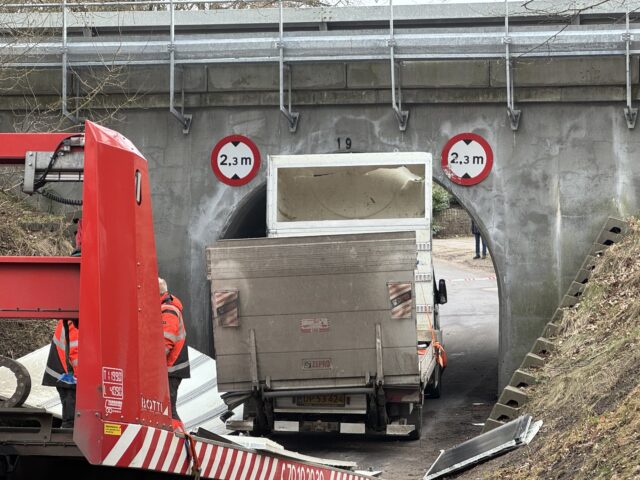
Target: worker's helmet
(163, 286)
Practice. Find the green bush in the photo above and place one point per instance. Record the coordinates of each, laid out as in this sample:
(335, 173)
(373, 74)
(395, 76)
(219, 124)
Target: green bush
(439, 199)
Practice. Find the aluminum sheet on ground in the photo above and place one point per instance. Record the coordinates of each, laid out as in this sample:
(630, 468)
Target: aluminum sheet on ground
(485, 446)
(199, 402)
(262, 444)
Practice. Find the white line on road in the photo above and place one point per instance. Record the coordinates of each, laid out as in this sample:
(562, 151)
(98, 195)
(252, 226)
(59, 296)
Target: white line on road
(473, 279)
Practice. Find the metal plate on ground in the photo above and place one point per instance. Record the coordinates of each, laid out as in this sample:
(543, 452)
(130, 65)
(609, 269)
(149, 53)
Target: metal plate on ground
(484, 446)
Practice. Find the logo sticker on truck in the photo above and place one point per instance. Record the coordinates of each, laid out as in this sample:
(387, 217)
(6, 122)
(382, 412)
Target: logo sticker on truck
(317, 364)
(225, 307)
(152, 405)
(314, 325)
(400, 299)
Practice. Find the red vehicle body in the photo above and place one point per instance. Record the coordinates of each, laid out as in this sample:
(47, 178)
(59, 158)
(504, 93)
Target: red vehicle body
(123, 416)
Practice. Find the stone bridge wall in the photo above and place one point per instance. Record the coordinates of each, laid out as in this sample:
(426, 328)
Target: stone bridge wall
(572, 163)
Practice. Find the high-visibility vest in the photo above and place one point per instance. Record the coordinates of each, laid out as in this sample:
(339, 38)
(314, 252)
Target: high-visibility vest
(172, 300)
(63, 353)
(175, 336)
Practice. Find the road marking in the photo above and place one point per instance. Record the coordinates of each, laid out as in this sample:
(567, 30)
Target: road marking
(473, 279)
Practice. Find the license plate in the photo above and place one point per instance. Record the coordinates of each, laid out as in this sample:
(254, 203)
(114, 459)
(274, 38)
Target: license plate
(325, 400)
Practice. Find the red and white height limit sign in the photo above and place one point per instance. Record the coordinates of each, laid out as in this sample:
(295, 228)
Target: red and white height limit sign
(235, 160)
(467, 159)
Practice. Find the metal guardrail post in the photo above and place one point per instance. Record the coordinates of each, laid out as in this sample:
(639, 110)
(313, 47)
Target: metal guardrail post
(291, 116)
(184, 119)
(630, 112)
(513, 113)
(65, 52)
(401, 115)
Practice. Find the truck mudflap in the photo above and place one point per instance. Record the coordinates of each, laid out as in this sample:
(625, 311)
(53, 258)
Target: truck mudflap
(137, 446)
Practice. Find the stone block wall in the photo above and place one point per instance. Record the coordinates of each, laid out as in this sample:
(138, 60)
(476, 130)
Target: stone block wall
(452, 222)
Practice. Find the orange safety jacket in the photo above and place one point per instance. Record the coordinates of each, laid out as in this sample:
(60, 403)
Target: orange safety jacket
(63, 354)
(175, 337)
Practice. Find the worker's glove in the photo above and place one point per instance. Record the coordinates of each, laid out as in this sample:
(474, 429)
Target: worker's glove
(69, 378)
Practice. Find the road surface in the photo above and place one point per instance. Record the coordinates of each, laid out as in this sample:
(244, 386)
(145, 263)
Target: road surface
(470, 325)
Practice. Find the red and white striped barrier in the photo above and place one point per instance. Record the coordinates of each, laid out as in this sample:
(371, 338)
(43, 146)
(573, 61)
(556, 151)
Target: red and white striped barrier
(149, 448)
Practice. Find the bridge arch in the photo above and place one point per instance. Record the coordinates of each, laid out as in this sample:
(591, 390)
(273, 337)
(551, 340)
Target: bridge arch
(249, 218)
(471, 208)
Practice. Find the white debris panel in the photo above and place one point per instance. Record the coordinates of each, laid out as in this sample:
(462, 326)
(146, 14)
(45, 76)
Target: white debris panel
(199, 402)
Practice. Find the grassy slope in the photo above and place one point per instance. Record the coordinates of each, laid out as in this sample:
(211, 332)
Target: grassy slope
(589, 390)
(24, 231)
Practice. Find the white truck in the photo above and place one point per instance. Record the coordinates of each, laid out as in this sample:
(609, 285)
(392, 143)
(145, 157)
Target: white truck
(330, 323)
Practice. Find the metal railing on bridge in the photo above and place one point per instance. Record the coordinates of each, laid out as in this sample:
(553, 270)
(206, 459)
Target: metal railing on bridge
(302, 45)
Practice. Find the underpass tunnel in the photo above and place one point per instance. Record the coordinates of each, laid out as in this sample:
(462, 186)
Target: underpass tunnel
(469, 321)
(249, 220)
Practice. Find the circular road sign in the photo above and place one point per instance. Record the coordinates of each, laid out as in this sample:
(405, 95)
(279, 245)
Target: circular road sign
(235, 160)
(467, 159)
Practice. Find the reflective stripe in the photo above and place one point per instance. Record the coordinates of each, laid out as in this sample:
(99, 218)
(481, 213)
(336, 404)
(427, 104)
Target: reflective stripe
(53, 373)
(62, 345)
(171, 308)
(65, 340)
(173, 368)
(175, 338)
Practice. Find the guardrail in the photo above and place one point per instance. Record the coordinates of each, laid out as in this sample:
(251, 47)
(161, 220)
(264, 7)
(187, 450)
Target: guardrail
(345, 45)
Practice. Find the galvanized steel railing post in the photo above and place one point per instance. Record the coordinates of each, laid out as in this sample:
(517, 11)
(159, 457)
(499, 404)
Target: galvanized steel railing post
(185, 120)
(401, 115)
(513, 113)
(630, 112)
(291, 116)
(65, 51)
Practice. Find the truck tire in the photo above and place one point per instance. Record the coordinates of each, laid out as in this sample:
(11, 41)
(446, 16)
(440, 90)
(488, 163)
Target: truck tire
(434, 389)
(416, 419)
(23, 383)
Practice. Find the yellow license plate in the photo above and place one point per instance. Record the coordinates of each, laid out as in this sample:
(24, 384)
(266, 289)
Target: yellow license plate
(325, 400)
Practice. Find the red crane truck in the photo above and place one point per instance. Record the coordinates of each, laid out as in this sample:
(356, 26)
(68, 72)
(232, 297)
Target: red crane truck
(123, 416)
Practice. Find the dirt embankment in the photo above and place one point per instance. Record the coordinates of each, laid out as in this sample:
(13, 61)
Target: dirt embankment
(588, 393)
(26, 232)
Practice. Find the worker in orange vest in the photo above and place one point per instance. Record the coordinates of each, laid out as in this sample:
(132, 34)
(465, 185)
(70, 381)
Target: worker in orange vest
(175, 346)
(62, 367)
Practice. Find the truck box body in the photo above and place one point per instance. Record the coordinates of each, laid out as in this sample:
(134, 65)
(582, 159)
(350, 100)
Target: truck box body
(313, 304)
(334, 312)
(357, 193)
(348, 193)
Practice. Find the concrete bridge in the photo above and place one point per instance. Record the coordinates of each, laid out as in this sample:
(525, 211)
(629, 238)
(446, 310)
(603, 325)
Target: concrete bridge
(569, 163)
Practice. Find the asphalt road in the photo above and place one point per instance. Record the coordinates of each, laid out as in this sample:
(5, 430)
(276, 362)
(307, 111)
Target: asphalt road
(470, 325)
